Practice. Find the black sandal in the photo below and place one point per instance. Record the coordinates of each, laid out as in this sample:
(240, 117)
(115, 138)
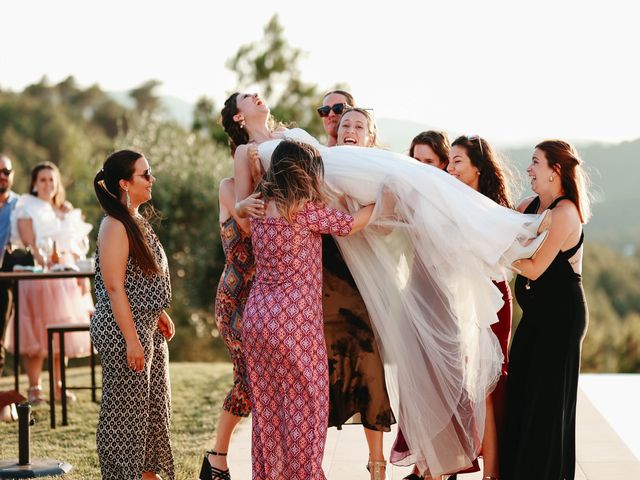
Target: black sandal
(207, 472)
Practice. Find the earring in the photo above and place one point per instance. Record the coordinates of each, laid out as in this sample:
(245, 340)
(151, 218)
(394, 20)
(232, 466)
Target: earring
(551, 178)
(128, 199)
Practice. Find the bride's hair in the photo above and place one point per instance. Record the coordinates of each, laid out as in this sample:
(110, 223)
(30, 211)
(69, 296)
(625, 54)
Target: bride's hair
(295, 177)
(564, 159)
(495, 175)
(237, 134)
(371, 124)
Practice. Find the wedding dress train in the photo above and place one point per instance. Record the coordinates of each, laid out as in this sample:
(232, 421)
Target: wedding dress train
(424, 267)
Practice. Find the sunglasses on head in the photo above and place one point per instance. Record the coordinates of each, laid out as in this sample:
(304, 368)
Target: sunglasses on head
(477, 138)
(337, 108)
(146, 175)
(6, 171)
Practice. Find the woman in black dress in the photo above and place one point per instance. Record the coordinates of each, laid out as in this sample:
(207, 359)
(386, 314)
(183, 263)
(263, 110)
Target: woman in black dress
(545, 354)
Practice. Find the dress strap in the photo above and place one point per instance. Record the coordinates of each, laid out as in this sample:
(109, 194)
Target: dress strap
(572, 251)
(533, 206)
(556, 201)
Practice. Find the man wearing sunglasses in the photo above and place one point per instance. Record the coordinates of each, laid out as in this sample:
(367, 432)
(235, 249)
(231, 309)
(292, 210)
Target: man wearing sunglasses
(333, 106)
(8, 200)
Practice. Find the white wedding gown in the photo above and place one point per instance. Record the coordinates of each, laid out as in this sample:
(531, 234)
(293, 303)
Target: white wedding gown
(424, 267)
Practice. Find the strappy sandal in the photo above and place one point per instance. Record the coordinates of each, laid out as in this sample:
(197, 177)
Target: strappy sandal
(34, 396)
(207, 472)
(375, 467)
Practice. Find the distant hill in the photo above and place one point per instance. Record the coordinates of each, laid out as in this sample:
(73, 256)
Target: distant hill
(173, 107)
(614, 171)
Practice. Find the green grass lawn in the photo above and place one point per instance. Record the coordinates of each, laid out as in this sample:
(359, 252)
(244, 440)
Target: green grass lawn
(197, 393)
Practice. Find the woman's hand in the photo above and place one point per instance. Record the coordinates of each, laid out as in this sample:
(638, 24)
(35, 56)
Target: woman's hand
(135, 355)
(166, 326)
(252, 205)
(85, 285)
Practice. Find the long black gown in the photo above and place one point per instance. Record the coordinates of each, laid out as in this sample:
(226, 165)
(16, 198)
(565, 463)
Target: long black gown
(544, 363)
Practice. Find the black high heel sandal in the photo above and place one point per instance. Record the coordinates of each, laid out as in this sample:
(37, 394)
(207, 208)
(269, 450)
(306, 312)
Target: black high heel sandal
(207, 472)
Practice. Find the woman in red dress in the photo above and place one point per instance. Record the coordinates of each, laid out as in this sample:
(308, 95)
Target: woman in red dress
(282, 331)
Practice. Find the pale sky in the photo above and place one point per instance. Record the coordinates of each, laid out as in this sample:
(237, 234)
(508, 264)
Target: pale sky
(508, 70)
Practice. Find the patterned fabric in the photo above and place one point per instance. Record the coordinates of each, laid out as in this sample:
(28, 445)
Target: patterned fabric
(135, 412)
(233, 290)
(357, 388)
(284, 344)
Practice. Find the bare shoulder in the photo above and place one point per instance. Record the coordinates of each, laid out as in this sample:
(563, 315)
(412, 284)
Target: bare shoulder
(227, 191)
(566, 211)
(525, 203)
(241, 151)
(112, 230)
(226, 184)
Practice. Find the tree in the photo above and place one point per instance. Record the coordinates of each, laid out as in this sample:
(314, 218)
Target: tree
(271, 66)
(145, 97)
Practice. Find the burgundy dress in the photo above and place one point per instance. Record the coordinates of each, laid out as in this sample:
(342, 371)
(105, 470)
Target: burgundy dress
(231, 296)
(284, 343)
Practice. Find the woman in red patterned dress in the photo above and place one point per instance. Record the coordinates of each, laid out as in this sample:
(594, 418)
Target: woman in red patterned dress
(283, 338)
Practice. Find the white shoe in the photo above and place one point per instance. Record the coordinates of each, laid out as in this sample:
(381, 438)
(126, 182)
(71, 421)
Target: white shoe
(517, 251)
(540, 224)
(8, 413)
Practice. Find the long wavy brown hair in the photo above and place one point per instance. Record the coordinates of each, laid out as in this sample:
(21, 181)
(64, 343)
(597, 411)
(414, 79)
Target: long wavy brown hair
(295, 177)
(564, 159)
(494, 174)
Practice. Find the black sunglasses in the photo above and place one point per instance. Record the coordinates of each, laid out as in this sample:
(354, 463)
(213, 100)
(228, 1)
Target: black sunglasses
(337, 108)
(146, 175)
(6, 171)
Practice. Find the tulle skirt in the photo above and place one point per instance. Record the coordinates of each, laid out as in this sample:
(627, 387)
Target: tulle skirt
(51, 302)
(424, 266)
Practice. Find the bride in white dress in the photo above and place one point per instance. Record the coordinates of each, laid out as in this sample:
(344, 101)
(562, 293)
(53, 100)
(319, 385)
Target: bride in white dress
(424, 268)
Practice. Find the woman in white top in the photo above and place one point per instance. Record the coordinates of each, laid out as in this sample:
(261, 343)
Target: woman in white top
(40, 219)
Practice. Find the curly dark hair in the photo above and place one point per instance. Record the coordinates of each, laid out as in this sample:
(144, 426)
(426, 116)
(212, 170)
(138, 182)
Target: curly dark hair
(493, 174)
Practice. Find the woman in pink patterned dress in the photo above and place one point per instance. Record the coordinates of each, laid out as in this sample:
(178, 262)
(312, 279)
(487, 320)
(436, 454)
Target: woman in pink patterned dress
(282, 331)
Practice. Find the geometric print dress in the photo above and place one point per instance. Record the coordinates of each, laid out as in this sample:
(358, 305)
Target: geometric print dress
(135, 411)
(231, 296)
(284, 346)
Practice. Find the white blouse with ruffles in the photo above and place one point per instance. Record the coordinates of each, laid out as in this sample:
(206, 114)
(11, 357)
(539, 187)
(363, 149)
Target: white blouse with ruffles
(69, 231)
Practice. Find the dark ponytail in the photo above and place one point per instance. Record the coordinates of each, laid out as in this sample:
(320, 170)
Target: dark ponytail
(120, 166)
(237, 135)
